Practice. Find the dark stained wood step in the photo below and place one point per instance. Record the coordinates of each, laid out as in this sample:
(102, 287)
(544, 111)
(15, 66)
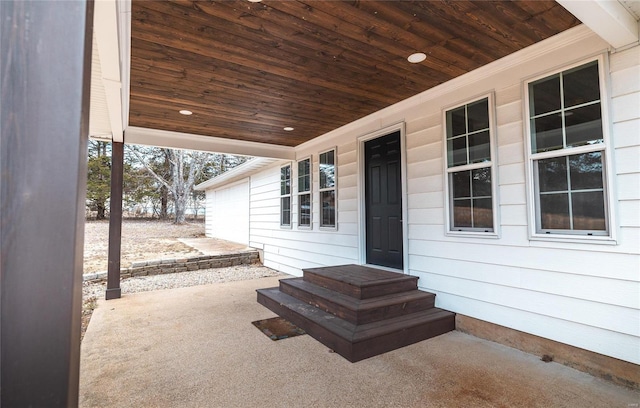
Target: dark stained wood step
(357, 342)
(359, 281)
(354, 310)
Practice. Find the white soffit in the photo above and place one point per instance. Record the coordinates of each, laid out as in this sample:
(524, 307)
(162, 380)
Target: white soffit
(614, 21)
(105, 25)
(99, 126)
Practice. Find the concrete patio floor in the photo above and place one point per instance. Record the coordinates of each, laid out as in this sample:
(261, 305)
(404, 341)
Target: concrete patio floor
(196, 347)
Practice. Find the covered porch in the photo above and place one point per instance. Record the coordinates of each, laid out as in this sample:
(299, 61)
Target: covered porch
(196, 347)
(330, 64)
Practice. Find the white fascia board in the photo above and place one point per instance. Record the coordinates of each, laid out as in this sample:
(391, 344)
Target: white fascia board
(178, 140)
(105, 23)
(607, 18)
(242, 171)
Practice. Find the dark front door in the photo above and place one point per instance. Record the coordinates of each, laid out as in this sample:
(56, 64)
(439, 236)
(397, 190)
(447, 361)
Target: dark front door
(383, 195)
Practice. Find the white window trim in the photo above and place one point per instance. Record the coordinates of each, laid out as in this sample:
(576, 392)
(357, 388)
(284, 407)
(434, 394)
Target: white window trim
(280, 196)
(334, 188)
(310, 193)
(495, 205)
(605, 147)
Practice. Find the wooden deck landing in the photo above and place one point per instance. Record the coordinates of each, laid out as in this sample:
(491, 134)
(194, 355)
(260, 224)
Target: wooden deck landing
(360, 281)
(358, 311)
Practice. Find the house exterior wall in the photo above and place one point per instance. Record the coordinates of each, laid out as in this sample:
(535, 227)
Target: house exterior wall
(290, 250)
(227, 212)
(586, 294)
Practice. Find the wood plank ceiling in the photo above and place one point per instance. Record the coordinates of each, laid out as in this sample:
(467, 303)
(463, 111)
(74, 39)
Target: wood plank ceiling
(247, 70)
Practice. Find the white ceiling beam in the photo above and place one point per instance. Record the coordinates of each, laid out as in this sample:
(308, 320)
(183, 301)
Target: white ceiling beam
(105, 24)
(178, 140)
(607, 18)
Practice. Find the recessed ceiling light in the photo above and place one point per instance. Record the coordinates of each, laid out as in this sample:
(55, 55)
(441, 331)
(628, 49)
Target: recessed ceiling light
(186, 112)
(255, 1)
(417, 57)
(288, 129)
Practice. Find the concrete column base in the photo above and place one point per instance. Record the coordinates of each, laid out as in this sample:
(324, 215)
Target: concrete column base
(114, 293)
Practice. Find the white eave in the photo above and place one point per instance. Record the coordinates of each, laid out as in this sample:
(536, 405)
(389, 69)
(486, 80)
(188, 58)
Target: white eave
(615, 21)
(99, 124)
(109, 107)
(238, 173)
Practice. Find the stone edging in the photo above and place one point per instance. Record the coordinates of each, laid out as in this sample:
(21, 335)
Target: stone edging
(163, 266)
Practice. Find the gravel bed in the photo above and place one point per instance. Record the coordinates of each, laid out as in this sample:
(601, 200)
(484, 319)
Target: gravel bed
(182, 279)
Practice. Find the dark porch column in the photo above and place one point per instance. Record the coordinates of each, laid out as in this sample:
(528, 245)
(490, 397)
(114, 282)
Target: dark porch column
(115, 221)
(45, 68)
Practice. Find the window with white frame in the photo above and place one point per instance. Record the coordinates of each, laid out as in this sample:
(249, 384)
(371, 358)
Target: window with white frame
(285, 196)
(327, 188)
(568, 152)
(470, 167)
(304, 193)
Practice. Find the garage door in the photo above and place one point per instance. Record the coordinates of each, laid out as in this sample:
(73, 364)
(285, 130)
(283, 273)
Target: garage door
(227, 214)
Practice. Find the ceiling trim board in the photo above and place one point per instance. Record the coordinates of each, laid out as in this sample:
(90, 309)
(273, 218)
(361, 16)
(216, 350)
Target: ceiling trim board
(178, 140)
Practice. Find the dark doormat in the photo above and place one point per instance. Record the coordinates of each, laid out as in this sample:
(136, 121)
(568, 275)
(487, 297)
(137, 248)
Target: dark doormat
(278, 328)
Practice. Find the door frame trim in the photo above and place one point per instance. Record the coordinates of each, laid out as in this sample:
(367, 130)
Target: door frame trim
(362, 237)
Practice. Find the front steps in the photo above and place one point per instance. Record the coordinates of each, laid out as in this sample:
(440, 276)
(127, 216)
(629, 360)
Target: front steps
(358, 311)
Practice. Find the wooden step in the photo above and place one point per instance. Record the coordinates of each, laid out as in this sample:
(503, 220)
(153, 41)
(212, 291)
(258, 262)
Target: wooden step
(354, 310)
(359, 281)
(357, 342)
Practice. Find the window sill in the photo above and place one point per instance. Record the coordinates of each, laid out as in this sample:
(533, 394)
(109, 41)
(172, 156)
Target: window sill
(305, 227)
(473, 234)
(573, 239)
(328, 228)
(288, 227)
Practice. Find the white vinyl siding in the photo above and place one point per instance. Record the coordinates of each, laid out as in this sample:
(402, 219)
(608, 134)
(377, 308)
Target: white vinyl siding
(290, 251)
(580, 293)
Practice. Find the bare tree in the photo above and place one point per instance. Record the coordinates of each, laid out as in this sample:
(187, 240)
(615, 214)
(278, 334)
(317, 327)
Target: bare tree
(185, 169)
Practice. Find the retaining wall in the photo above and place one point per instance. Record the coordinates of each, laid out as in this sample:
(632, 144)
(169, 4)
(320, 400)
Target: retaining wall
(163, 266)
